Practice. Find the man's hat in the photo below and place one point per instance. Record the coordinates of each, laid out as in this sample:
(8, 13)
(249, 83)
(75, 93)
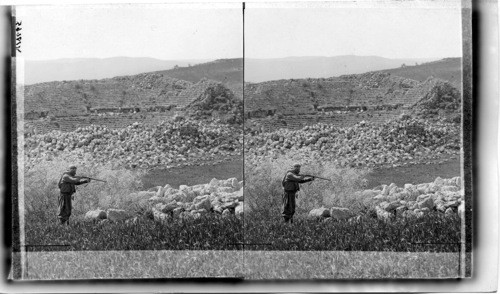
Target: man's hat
(296, 165)
(72, 167)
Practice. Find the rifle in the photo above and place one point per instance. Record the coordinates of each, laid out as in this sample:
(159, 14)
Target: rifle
(311, 176)
(80, 177)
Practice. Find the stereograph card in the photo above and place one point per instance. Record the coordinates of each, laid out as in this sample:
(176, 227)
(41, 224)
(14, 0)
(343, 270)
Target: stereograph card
(248, 141)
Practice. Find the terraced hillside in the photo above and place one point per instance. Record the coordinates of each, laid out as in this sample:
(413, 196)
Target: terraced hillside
(227, 71)
(71, 104)
(374, 97)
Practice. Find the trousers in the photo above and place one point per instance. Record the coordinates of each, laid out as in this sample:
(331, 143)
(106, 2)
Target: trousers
(64, 207)
(288, 204)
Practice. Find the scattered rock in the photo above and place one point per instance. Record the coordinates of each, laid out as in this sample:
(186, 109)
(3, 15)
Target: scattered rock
(319, 212)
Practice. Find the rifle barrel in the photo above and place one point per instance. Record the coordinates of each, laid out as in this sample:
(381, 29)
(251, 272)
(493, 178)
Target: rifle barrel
(93, 179)
(317, 177)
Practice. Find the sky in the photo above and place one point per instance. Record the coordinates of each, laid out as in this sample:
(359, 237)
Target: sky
(165, 32)
(209, 31)
(425, 31)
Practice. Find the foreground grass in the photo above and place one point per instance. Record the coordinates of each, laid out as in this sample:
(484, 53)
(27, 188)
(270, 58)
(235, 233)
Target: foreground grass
(240, 264)
(435, 233)
(205, 233)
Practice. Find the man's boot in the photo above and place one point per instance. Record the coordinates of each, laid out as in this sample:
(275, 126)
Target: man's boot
(286, 219)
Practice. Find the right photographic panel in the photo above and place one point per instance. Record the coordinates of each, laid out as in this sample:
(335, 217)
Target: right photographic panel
(354, 140)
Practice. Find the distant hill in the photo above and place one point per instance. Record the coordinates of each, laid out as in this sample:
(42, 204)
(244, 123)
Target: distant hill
(228, 71)
(95, 68)
(260, 70)
(448, 69)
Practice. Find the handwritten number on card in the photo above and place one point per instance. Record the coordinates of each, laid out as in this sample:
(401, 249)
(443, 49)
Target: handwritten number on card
(18, 36)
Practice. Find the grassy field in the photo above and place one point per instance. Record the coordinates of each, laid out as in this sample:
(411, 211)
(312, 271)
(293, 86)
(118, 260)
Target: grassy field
(434, 233)
(192, 175)
(414, 174)
(240, 264)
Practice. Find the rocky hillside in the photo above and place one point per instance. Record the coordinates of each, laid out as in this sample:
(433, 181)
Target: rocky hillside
(137, 93)
(370, 91)
(448, 69)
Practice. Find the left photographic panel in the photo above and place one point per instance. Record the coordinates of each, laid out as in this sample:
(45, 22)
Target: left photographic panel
(129, 141)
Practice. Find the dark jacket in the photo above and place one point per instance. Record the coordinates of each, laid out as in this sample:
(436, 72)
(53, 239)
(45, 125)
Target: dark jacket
(291, 181)
(67, 183)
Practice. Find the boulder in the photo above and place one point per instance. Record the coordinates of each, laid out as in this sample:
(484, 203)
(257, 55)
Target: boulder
(203, 204)
(449, 211)
(132, 221)
(439, 181)
(218, 209)
(154, 189)
(225, 189)
(238, 195)
(214, 183)
(230, 204)
(450, 189)
(400, 210)
(340, 213)
(116, 215)
(97, 214)
(452, 203)
(422, 188)
(370, 193)
(159, 216)
(177, 212)
(319, 212)
(423, 197)
(380, 197)
(238, 210)
(179, 196)
(201, 211)
(426, 203)
(440, 206)
(170, 191)
(146, 194)
(390, 206)
(382, 214)
(166, 208)
(385, 190)
(156, 199)
(226, 212)
(409, 186)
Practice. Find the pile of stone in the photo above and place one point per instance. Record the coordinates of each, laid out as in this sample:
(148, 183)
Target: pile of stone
(222, 197)
(390, 201)
(169, 143)
(404, 140)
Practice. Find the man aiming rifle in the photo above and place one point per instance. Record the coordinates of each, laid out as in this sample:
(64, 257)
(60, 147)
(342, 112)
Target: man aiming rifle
(291, 186)
(67, 188)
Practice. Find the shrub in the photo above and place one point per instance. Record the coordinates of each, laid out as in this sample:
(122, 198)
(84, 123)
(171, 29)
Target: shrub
(41, 190)
(263, 189)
